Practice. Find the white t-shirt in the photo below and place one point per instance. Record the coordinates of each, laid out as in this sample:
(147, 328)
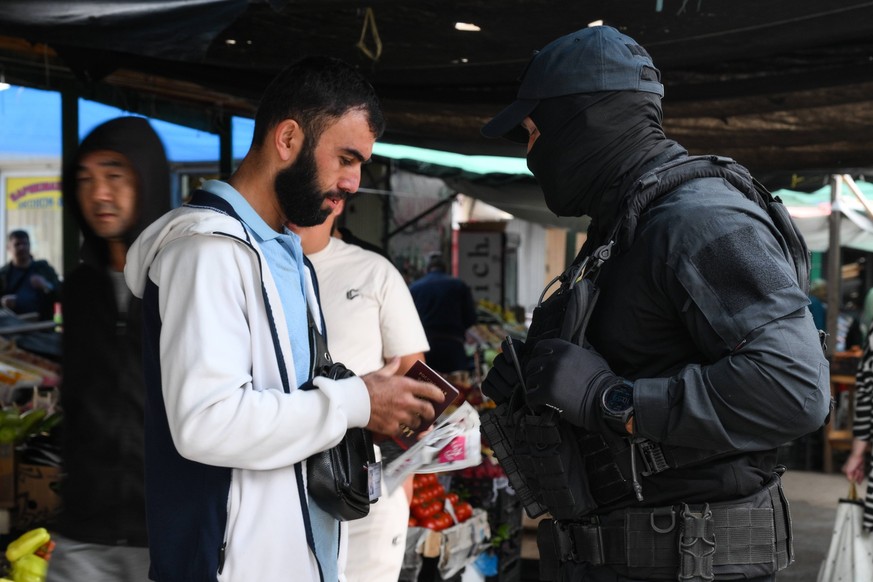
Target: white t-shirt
(367, 307)
(370, 317)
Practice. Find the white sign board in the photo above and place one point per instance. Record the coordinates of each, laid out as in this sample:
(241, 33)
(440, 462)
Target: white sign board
(480, 263)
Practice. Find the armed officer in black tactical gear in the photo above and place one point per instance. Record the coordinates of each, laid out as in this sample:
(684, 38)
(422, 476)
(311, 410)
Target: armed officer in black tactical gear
(700, 356)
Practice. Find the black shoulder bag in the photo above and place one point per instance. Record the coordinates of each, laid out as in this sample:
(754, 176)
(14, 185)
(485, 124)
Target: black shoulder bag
(337, 479)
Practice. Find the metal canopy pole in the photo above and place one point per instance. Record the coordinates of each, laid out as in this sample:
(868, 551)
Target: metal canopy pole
(225, 146)
(69, 147)
(834, 269)
(421, 215)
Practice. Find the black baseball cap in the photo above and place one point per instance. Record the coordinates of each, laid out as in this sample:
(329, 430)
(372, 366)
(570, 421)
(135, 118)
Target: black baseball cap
(598, 58)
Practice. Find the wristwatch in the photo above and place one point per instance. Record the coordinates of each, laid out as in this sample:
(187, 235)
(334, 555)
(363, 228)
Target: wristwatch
(617, 406)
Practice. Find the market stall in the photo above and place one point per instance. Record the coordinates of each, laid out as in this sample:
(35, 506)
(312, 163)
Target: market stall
(465, 518)
(464, 515)
(29, 461)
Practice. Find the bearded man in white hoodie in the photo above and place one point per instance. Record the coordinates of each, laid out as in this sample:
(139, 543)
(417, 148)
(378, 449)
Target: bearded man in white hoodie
(232, 413)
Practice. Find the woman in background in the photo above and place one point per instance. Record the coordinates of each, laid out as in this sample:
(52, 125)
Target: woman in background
(861, 431)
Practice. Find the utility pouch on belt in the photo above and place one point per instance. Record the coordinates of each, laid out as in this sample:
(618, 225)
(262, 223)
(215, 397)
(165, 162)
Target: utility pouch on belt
(746, 538)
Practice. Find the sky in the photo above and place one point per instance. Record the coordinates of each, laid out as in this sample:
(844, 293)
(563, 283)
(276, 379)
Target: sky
(30, 125)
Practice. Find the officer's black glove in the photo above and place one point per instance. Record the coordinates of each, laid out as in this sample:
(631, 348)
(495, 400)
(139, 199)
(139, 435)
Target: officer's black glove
(502, 379)
(571, 378)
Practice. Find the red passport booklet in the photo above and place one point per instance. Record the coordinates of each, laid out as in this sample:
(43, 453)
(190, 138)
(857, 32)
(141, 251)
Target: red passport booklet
(423, 372)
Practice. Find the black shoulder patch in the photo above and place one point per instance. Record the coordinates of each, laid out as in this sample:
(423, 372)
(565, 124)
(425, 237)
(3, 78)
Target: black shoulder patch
(741, 268)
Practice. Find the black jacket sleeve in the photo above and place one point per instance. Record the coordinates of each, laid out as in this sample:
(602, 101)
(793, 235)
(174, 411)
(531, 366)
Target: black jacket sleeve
(763, 379)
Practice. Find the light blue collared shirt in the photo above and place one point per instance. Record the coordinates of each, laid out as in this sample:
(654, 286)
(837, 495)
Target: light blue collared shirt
(285, 260)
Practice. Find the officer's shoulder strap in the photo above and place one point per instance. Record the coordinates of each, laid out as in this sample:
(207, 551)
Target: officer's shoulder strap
(667, 177)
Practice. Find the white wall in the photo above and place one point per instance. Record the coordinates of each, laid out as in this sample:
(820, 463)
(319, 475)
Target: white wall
(531, 261)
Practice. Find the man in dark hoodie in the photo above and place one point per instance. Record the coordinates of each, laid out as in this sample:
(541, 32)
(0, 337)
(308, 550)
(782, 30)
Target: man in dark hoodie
(700, 357)
(117, 185)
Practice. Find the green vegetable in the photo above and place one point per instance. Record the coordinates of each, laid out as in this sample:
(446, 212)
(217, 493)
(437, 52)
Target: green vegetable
(16, 426)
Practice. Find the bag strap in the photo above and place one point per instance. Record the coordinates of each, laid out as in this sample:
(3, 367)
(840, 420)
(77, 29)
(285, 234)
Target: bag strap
(319, 354)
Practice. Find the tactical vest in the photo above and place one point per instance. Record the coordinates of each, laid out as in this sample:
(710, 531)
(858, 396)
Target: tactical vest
(562, 469)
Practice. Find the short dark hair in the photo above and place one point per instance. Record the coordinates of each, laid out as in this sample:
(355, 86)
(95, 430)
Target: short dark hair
(315, 91)
(435, 262)
(16, 234)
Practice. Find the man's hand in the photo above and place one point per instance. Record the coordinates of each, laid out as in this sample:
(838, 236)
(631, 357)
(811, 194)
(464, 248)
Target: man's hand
(854, 465)
(8, 301)
(571, 378)
(854, 468)
(40, 283)
(397, 401)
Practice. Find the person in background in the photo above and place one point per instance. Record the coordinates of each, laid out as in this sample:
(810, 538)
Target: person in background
(27, 285)
(446, 307)
(232, 413)
(118, 183)
(818, 296)
(700, 357)
(862, 432)
(370, 319)
(865, 319)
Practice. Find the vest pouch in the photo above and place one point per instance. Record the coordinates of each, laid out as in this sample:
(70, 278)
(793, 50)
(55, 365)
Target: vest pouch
(547, 320)
(548, 455)
(564, 314)
(540, 453)
(607, 466)
(497, 427)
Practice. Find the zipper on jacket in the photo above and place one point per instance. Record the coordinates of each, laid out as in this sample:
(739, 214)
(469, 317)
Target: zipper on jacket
(222, 551)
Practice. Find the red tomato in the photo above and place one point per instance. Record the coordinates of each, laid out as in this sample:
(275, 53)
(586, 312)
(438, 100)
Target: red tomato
(443, 520)
(452, 497)
(415, 501)
(430, 523)
(426, 509)
(425, 479)
(463, 511)
(438, 491)
(413, 522)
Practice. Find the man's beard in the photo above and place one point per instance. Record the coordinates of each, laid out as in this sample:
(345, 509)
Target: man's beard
(297, 190)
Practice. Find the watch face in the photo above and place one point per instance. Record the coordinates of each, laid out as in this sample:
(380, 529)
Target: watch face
(618, 399)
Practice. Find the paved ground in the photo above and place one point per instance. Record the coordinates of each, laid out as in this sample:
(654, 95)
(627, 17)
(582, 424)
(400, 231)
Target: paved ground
(813, 499)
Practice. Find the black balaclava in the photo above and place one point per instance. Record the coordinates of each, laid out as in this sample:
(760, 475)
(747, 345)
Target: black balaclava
(590, 145)
(134, 138)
